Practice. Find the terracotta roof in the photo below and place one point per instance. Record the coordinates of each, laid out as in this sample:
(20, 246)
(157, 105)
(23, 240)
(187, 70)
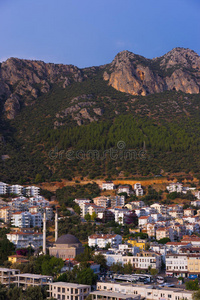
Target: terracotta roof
(25, 233)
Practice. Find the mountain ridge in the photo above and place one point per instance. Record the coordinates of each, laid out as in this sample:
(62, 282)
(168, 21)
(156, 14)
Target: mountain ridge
(22, 81)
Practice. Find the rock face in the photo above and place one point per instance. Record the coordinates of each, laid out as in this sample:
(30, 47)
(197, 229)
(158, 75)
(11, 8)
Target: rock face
(80, 111)
(25, 80)
(177, 70)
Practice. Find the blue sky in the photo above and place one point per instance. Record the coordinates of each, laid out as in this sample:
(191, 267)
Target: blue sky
(91, 32)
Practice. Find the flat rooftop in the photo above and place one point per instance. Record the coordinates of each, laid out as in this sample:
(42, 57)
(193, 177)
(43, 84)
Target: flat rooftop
(68, 284)
(114, 294)
(36, 276)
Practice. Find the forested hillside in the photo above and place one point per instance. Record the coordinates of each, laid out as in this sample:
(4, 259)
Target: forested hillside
(161, 131)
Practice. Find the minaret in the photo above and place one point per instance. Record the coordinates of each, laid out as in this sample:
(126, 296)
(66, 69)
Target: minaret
(56, 226)
(44, 233)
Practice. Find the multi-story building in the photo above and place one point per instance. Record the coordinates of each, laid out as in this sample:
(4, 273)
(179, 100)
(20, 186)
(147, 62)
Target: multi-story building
(138, 243)
(66, 290)
(25, 238)
(90, 208)
(175, 187)
(193, 261)
(101, 240)
(8, 276)
(102, 201)
(31, 191)
(165, 232)
(3, 188)
(141, 260)
(16, 189)
(176, 264)
(26, 280)
(146, 259)
(104, 295)
(5, 213)
(141, 291)
(124, 189)
(139, 192)
(21, 219)
(108, 186)
(36, 220)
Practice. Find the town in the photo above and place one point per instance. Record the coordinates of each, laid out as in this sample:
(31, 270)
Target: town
(154, 255)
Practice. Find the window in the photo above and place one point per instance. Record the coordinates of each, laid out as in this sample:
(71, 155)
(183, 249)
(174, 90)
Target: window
(58, 289)
(76, 291)
(63, 297)
(63, 290)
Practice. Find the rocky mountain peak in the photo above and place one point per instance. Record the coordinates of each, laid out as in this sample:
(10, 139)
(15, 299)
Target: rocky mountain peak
(179, 69)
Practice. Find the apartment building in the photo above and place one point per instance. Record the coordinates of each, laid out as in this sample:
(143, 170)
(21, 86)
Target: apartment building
(104, 295)
(108, 186)
(102, 201)
(68, 291)
(141, 261)
(101, 240)
(26, 280)
(145, 259)
(5, 214)
(21, 219)
(177, 264)
(165, 232)
(25, 238)
(36, 220)
(8, 276)
(16, 189)
(3, 188)
(90, 208)
(31, 191)
(193, 261)
(140, 291)
(124, 189)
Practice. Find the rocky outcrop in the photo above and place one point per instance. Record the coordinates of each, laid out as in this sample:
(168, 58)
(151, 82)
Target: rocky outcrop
(25, 80)
(80, 111)
(177, 70)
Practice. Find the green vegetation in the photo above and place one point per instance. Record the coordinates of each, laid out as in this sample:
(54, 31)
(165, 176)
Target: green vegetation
(17, 293)
(161, 130)
(192, 285)
(67, 194)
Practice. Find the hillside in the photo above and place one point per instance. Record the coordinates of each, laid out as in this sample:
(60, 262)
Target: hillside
(49, 110)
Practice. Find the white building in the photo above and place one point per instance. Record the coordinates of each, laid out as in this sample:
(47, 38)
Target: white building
(176, 264)
(90, 208)
(144, 220)
(101, 240)
(141, 291)
(32, 191)
(124, 189)
(16, 189)
(21, 219)
(139, 192)
(175, 187)
(66, 290)
(79, 201)
(3, 188)
(25, 238)
(142, 260)
(108, 186)
(165, 232)
(36, 220)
